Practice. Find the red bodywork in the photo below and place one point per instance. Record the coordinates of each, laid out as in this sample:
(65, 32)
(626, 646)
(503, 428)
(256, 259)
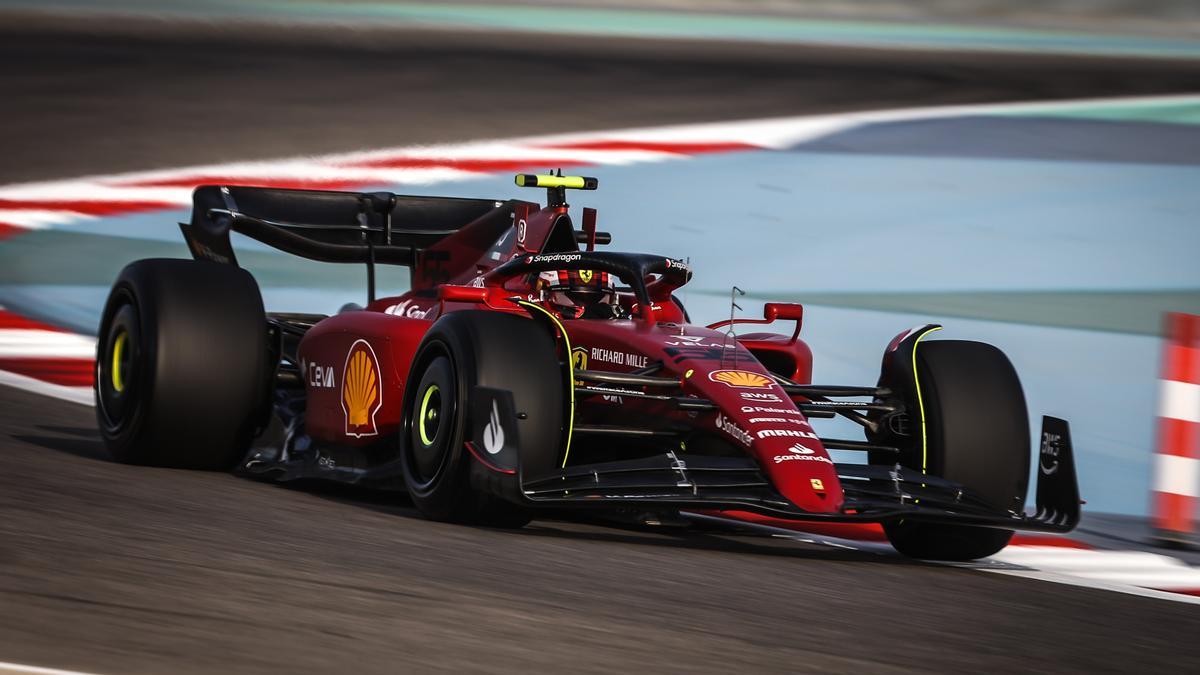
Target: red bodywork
(754, 413)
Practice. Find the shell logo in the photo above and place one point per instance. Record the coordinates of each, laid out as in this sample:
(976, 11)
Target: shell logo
(741, 379)
(362, 391)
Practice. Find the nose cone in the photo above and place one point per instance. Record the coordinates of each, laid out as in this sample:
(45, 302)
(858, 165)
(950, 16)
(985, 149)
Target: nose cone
(757, 415)
(802, 472)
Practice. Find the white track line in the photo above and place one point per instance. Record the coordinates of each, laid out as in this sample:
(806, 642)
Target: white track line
(80, 395)
(22, 668)
(773, 133)
(35, 343)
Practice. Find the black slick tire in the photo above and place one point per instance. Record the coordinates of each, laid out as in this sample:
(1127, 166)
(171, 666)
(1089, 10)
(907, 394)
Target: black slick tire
(977, 430)
(181, 364)
(464, 350)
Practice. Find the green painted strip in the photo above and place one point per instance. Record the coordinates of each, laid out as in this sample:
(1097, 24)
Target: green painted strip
(1167, 112)
(1137, 312)
(647, 24)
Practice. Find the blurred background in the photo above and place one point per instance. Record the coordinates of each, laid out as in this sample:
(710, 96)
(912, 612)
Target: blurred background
(1025, 172)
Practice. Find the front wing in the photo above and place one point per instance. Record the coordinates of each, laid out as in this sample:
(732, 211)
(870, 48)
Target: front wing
(873, 494)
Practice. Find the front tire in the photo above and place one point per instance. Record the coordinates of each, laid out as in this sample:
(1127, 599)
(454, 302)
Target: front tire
(181, 364)
(462, 351)
(977, 431)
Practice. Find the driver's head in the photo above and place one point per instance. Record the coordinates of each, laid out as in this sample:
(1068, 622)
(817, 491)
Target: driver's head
(579, 294)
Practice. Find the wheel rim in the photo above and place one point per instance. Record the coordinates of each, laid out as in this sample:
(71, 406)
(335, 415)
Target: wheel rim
(432, 414)
(429, 418)
(120, 362)
(117, 368)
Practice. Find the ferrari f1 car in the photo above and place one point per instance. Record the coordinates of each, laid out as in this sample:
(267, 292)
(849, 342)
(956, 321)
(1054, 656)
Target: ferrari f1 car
(526, 370)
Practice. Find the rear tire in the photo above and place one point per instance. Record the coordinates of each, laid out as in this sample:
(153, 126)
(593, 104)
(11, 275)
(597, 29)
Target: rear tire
(181, 364)
(464, 350)
(977, 431)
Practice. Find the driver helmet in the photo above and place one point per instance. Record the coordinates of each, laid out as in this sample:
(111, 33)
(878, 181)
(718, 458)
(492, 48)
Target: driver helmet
(579, 294)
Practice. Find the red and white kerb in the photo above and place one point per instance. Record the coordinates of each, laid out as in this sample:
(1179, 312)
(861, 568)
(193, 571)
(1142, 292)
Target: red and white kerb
(1177, 461)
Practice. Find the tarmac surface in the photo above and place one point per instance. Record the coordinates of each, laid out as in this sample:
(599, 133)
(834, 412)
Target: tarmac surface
(111, 568)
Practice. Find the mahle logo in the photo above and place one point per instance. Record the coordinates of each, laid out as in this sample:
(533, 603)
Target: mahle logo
(362, 392)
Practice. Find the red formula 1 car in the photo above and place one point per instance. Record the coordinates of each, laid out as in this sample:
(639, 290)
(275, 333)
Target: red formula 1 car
(525, 369)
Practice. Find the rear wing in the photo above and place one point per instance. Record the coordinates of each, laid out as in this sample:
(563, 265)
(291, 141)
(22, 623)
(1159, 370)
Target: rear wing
(338, 227)
(346, 227)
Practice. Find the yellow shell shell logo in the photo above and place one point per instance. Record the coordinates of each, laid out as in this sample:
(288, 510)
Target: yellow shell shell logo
(361, 391)
(740, 378)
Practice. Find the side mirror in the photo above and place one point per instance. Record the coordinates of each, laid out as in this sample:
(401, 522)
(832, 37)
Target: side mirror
(786, 311)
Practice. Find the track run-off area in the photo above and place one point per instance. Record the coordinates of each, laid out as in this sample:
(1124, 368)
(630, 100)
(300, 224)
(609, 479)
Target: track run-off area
(1035, 214)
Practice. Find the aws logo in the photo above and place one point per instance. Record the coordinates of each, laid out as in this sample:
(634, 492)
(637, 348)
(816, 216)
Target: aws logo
(362, 390)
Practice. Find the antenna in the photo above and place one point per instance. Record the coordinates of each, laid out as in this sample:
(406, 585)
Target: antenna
(730, 334)
(685, 300)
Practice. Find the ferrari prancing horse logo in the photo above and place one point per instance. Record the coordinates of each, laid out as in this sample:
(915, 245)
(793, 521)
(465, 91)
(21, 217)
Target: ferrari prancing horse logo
(362, 391)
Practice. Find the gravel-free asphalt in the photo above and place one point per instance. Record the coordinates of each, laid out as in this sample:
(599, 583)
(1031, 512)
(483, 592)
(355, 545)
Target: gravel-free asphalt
(114, 569)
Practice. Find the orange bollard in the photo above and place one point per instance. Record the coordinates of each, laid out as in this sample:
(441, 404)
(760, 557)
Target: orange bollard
(1177, 460)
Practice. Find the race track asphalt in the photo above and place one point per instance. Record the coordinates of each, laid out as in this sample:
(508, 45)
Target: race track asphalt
(123, 569)
(113, 569)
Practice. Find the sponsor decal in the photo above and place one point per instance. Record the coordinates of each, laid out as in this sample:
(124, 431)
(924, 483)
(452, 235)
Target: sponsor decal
(786, 433)
(679, 342)
(493, 432)
(619, 358)
(362, 390)
(817, 484)
(408, 309)
(319, 376)
(801, 453)
(521, 227)
(777, 420)
(1048, 462)
(728, 426)
(673, 264)
(556, 258)
(586, 276)
(771, 411)
(477, 282)
(756, 396)
(741, 379)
